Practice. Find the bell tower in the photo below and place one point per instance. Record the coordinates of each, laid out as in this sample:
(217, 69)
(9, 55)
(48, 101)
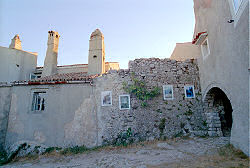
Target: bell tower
(96, 60)
(50, 62)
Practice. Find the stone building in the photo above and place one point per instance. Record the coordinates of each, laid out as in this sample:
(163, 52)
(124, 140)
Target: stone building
(203, 89)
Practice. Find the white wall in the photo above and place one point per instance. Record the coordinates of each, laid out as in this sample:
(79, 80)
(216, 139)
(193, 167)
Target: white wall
(227, 65)
(16, 64)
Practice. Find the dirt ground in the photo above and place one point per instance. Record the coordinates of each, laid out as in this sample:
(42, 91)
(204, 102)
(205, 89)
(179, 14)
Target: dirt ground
(175, 153)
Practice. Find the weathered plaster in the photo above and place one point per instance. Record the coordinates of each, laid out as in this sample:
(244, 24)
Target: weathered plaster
(82, 130)
(227, 65)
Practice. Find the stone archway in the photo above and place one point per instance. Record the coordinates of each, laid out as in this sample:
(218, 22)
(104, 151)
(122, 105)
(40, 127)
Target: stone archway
(218, 110)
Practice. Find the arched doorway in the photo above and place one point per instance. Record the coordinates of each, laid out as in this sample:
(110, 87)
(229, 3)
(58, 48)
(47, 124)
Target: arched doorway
(218, 110)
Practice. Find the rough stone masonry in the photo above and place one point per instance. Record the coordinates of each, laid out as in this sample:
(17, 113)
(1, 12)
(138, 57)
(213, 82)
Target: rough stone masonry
(181, 116)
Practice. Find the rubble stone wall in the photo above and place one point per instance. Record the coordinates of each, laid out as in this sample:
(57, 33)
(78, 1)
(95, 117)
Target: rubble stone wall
(179, 116)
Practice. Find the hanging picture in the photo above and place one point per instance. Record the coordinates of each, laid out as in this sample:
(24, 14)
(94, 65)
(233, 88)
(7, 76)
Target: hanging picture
(168, 92)
(189, 91)
(106, 98)
(124, 102)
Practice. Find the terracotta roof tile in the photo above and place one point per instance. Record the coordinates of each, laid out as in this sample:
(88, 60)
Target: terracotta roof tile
(66, 77)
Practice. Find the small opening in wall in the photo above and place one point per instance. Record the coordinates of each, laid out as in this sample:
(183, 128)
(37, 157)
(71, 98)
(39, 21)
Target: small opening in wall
(205, 48)
(94, 56)
(38, 102)
(218, 105)
(56, 36)
(17, 65)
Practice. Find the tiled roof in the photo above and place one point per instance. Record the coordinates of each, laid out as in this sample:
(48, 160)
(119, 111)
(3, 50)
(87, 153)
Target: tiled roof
(198, 36)
(75, 77)
(73, 65)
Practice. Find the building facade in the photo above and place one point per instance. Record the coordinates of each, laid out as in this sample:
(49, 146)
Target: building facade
(204, 88)
(222, 33)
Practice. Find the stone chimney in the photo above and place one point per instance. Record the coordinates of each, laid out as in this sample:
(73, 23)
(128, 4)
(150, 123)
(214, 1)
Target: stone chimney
(16, 43)
(50, 62)
(96, 60)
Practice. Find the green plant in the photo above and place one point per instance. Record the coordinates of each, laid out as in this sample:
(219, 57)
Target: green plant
(188, 112)
(162, 125)
(159, 111)
(3, 155)
(204, 123)
(198, 94)
(139, 89)
(124, 138)
(3, 158)
(179, 134)
(182, 125)
(74, 150)
(51, 149)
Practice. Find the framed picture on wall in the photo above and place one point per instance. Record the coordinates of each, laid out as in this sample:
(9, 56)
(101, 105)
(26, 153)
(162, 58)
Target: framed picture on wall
(106, 98)
(168, 92)
(189, 91)
(124, 102)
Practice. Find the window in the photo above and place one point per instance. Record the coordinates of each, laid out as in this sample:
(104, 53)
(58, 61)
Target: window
(205, 48)
(236, 4)
(32, 76)
(38, 101)
(237, 7)
(124, 102)
(94, 56)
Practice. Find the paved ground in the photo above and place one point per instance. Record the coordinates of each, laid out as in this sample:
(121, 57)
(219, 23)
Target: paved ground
(194, 152)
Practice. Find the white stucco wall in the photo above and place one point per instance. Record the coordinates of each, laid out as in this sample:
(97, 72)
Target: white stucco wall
(66, 121)
(4, 112)
(227, 65)
(16, 64)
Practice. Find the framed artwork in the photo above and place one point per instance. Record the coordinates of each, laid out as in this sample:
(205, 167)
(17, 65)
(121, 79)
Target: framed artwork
(106, 98)
(189, 91)
(168, 92)
(124, 102)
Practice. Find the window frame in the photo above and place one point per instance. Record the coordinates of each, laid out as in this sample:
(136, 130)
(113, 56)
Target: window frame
(202, 49)
(236, 13)
(42, 93)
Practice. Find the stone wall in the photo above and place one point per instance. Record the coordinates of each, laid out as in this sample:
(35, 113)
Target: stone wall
(182, 116)
(4, 113)
(74, 115)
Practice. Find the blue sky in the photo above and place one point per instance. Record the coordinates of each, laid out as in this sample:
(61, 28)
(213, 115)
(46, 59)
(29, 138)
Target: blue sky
(132, 28)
